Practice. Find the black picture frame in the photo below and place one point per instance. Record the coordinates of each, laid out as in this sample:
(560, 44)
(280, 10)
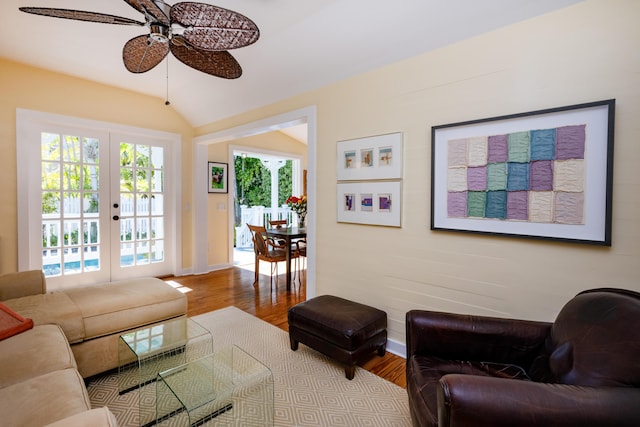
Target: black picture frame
(484, 181)
(217, 177)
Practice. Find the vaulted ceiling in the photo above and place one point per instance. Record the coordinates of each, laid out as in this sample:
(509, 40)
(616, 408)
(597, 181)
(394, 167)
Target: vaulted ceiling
(303, 45)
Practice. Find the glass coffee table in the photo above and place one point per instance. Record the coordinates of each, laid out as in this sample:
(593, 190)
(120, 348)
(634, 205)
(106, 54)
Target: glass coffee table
(145, 352)
(229, 388)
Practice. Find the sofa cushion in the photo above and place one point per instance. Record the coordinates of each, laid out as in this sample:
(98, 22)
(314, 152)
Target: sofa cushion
(94, 418)
(44, 399)
(54, 307)
(11, 323)
(119, 306)
(35, 352)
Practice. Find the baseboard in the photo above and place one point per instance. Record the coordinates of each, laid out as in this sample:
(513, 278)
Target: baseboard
(397, 348)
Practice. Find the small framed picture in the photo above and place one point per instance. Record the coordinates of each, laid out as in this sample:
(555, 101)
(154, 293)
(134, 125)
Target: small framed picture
(384, 202)
(366, 158)
(370, 202)
(370, 158)
(366, 202)
(349, 159)
(386, 156)
(218, 177)
(350, 202)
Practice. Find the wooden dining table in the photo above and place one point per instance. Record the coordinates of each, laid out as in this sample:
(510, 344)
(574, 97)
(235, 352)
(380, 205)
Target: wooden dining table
(288, 234)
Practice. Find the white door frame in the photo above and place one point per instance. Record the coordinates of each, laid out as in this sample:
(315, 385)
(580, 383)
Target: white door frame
(27, 121)
(200, 154)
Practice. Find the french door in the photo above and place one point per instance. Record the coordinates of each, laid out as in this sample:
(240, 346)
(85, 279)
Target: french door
(103, 204)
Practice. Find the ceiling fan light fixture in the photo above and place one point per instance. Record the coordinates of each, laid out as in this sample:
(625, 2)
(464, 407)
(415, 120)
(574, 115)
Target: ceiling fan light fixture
(160, 33)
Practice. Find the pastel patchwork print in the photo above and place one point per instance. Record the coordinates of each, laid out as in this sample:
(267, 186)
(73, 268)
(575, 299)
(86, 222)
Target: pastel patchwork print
(534, 176)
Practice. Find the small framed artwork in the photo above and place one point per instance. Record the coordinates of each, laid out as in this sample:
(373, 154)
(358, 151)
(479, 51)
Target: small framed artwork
(218, 177)
(544, 174)
(373, 157)
(369, 202)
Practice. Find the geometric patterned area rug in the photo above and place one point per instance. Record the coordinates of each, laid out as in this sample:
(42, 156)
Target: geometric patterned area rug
(309, 388)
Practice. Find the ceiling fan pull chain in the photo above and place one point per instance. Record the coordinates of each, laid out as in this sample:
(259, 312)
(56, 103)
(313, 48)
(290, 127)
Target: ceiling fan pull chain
(166, 102)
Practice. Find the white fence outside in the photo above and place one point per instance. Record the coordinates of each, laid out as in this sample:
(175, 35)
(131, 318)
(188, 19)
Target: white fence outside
(259, 215)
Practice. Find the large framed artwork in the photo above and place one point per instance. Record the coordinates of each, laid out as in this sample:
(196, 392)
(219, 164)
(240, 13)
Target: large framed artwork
(218, 176)
(369, 202)
(545, 174)
(371, 157)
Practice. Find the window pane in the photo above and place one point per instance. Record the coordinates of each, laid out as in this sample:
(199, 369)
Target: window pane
(157, 204)
(126, 204)
(51, 203)
(142, 204)
(91, 205)
(157, 251)
(157, 158)
(157, 228)
(142, 252)
(71, 179)
(71, 149)
(71, 204)
(50, 176)
(126, 229)
(50, 146)
(91, 150)
(126, 154)
(142, 228)
(156, 181)
(90, 177)
(142, 156)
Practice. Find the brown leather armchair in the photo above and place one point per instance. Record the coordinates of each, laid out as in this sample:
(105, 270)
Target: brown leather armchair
(581, 370)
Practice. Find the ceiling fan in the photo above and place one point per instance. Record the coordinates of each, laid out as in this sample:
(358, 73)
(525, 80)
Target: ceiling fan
(197, 34)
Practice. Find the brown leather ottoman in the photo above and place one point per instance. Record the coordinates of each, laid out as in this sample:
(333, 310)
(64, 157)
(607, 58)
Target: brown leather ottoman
(338, 328)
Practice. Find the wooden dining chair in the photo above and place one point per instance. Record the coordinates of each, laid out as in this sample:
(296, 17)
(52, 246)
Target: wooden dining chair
(266, 249)
(278, 223)
(301, 250)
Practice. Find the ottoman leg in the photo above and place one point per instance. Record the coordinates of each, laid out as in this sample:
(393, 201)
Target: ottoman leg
(382, 350)
(294, 343)
(350, 371)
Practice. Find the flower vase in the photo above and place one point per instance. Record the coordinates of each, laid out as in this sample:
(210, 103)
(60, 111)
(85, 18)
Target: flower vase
(302, 217)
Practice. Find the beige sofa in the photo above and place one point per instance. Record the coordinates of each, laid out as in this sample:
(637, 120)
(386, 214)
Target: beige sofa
(93, 317)
(40, 385)
(75, 336)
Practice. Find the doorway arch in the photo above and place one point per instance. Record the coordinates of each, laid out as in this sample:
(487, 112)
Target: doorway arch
(306, 115)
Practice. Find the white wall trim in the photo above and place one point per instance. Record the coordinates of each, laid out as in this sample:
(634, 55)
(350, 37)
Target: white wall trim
(25, 122)
(301, 116)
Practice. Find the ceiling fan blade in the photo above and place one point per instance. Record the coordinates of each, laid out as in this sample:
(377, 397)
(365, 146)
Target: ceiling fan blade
(216, 63)
(153, 9)
(214, 28)
(80, 15)
(142, 53)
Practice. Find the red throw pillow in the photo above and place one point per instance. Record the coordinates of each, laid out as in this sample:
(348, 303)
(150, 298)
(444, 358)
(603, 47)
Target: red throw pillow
(11, 323)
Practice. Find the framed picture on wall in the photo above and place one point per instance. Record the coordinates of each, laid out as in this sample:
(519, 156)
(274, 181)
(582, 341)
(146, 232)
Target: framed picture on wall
(370, 202)
(371, 157)
(218, 177)
(545, 174)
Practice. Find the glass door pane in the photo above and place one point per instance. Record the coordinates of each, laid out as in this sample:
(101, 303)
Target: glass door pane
(70, 200)
(142, 213)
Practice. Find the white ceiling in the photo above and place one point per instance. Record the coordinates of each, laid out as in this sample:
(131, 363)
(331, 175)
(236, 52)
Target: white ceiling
(303, 45)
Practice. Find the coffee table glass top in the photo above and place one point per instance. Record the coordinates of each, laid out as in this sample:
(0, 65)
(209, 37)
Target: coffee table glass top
(229, 388)
(145, 352)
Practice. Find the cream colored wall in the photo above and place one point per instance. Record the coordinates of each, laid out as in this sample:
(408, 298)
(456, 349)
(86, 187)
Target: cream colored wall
(587, 52)
(26, 87)
(218, 218)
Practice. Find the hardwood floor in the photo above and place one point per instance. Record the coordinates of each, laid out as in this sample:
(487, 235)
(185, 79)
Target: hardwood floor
(234, 286)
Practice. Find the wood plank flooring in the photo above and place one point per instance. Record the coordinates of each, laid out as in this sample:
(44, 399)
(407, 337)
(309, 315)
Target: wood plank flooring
(234, 286)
